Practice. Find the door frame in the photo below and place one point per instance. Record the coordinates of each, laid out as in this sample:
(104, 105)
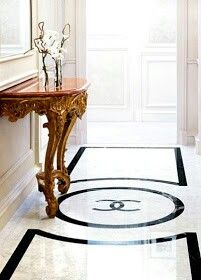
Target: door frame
(80, 64)
(198, 138)
(182, 60)
(182, 71)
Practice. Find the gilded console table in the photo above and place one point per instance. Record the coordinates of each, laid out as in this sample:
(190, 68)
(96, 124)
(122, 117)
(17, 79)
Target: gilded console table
(62, 107)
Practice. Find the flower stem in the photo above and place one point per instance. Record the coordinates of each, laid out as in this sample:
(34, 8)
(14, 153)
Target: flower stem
(61, 77)
(45, 70)
(57, 73)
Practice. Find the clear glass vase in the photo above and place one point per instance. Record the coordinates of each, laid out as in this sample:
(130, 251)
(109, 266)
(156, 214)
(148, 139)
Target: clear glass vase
(45, 79)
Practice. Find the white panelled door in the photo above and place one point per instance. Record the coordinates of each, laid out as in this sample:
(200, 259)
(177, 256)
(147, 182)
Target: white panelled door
(131, 60)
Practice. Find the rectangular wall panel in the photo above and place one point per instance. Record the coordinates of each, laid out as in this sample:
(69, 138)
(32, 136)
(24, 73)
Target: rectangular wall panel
(159, 87)
(109, 94)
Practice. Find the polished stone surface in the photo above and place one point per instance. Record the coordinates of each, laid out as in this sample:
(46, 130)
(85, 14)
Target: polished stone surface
(75, 251)
(35, 88)
(131, 133)
(148, 163)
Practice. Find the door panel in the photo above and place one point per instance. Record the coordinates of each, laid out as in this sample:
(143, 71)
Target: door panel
(159, 87)
(131, 60)
(108, 71)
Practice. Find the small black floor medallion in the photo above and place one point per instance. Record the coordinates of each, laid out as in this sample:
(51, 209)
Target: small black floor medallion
(112, 206)
(118, 205)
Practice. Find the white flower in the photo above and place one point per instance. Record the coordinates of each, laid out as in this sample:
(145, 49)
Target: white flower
(58, 56)
(51, 34)
(49, 38)
(65, 37)
(49, 43)
(55, 48)
(57, 45)
(64, 50)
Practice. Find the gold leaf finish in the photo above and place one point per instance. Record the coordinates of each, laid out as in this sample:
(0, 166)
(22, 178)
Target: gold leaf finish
(62, 112)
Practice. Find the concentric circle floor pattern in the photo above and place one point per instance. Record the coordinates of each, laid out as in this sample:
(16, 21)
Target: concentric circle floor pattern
(136, 213)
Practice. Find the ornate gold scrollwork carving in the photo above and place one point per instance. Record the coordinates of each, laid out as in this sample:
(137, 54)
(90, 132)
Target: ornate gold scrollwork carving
(18, 109)
(79, 105)
(61, 113)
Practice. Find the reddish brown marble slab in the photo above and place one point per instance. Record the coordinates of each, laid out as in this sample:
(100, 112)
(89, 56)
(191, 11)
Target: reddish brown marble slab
(34, 88)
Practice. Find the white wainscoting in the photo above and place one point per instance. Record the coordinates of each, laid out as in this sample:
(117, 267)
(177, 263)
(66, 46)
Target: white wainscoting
(159, 87)
(17, 169)
(152, 86)
(15, 185)
(109, 94)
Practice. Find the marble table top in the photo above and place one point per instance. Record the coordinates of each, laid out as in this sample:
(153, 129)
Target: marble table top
(34, 88)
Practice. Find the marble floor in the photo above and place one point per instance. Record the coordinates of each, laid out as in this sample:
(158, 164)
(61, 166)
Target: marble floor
(130, 213)
(132, 133)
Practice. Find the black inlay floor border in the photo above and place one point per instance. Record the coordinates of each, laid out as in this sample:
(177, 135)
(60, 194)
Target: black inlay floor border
(182, 181)
(124, 178)
(191, 239)
(180, 167)
(177, 211)
(75, 159)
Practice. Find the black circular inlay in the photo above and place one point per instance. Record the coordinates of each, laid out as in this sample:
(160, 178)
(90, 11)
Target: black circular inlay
(178, 208)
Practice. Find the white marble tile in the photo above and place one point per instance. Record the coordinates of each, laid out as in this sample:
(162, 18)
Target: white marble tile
(156, 164)
(111, 206)
(48, 259)
(133, 133)
(59, 260)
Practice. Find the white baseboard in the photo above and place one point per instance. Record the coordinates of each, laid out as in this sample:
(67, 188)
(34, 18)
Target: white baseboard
(11, 178)
(185, 138)
(15, 185)
(9, 204)
(182, 138)
(72, 140)
(190, 140)
(198, 146)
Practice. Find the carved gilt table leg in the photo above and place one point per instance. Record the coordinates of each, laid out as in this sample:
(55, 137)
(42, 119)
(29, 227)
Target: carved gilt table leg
(62, 107)
(76, 110)
(61, 116)
(64, 179)
(55, 125)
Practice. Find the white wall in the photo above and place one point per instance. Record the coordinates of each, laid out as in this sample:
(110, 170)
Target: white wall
(198, 139)
(129, 66)
(192, 70)
(189, 127)
(55, 15)
(70, 62)
(17, 170)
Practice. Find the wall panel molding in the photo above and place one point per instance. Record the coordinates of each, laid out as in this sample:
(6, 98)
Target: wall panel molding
(192, 61)
(81, 56)
(15, 185)
(15, 172)
(156, 67)
(9, 205)
(182, 45)
(16, 79)
(198, 136)
(187, 57)
(111, 101)
(18, 139)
